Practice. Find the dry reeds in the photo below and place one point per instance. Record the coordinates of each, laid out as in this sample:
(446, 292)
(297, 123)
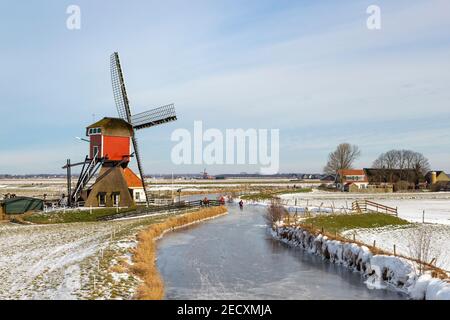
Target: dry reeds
(144, 266)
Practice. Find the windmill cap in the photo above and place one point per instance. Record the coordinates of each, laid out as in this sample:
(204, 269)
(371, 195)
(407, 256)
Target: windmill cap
(113, 126)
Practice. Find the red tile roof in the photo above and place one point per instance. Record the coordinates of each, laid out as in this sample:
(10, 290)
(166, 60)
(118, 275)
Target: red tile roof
(352, 172)
(133, 181)
(344, 173)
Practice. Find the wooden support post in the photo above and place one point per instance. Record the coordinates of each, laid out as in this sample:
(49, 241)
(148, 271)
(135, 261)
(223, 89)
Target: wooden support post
(69, 184)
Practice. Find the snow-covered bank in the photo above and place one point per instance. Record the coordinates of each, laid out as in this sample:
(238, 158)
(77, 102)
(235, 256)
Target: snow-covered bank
(403, 238)
(380, 271)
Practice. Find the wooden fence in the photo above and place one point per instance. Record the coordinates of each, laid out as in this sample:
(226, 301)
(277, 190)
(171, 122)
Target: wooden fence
(365, 206)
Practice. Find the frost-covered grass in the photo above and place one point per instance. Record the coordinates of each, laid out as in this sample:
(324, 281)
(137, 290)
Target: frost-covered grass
(341, 222)
(70, 216)
(69, 260)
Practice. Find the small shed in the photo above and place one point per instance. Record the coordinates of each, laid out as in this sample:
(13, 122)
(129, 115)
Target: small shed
(20, 205)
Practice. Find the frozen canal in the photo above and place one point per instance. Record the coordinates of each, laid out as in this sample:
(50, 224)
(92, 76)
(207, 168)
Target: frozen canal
(233, 257)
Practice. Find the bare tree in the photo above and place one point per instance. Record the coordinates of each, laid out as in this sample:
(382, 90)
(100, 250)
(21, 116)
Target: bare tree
(422, 247)
(275, 212)
(402, 160)
(420, 164)
(342, 158)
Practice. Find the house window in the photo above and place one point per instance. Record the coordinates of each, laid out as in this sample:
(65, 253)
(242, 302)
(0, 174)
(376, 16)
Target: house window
(137, 195)
(116, 199)
(101, 199)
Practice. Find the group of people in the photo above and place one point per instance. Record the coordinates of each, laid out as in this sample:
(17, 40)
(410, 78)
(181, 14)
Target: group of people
(205, 202)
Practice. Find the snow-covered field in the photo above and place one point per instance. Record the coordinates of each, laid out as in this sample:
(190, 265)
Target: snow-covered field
(410, 205)
(404, 237)
(66, 261)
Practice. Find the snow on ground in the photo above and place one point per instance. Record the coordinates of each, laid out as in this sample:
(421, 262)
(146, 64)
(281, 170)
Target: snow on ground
(65, 261)
(410, 205)
(403, 238)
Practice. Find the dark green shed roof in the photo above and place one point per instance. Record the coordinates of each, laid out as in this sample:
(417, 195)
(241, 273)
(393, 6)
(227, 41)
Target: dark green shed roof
(21, 205)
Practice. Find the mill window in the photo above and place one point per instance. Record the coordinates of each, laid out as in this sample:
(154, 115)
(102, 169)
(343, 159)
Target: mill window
(101, 199)
(116, 199)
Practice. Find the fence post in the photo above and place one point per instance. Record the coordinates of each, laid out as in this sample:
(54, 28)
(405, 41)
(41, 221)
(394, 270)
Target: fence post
(423, 216)
(354, 237)
(374, 243)
(395, 253)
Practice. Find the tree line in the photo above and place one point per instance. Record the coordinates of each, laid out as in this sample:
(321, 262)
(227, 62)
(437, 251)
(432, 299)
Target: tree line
(404, 161)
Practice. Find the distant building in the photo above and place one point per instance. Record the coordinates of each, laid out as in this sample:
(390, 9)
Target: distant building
(383, 175)
(328, 178)
(348, 177)
(433, 177)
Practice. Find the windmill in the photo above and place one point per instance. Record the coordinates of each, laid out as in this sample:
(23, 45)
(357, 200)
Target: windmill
(110, 147)
(138, 121)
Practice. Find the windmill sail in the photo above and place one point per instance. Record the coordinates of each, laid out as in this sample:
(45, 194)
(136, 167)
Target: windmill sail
(123, 108)
(119, 90)
(154, 117)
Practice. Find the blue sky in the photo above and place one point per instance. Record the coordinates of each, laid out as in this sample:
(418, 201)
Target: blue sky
(309, 68)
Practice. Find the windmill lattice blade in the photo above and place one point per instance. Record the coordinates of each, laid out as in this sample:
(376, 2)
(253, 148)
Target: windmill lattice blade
(154, 117)
(119, 91)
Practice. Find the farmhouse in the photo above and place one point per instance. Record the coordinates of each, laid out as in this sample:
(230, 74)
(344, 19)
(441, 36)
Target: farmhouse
(351, 179)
